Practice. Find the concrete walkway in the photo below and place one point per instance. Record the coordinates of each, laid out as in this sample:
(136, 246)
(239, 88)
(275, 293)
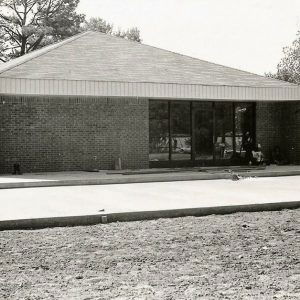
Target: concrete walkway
(140, 176)
(74, 205)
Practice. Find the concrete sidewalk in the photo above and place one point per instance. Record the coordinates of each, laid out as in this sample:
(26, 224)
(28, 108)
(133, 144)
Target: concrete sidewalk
(76, 178)
(81, 205)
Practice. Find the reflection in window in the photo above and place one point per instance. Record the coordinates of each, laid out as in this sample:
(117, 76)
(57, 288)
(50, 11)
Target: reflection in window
(203, 128)
(158, 131)
(218, 130)
(243, 123)
(223, 146)
(181, 131)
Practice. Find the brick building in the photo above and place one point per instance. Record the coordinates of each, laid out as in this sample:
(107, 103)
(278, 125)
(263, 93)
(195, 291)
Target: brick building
(87, 101)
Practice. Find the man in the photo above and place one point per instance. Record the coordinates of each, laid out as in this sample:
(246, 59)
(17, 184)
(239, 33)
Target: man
(247, 145)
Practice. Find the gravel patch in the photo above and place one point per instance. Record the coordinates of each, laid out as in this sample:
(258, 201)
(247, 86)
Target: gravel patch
(238, 256)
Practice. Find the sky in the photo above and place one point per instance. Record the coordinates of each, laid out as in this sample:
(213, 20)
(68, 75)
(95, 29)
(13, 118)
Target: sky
(243, 34)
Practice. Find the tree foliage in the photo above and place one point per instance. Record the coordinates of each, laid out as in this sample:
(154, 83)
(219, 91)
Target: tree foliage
(98, 24)
(288, 68)
(26, 25)
(132, 34)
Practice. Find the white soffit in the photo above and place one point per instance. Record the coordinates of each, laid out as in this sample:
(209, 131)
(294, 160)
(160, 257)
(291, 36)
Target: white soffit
(43, 87)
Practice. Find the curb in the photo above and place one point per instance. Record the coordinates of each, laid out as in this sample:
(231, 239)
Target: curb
(39, 223)
(144, 179)
(119, 180)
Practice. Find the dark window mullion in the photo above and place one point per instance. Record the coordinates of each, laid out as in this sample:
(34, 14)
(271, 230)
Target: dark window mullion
(233, 129)
(214, 130)
(254, 122)
(170, 131)
(192, 133)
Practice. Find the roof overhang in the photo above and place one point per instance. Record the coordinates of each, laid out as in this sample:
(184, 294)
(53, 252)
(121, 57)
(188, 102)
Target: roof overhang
(46, 87)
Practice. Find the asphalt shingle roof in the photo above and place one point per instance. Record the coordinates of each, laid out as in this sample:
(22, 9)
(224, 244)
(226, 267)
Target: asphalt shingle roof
(100, 57)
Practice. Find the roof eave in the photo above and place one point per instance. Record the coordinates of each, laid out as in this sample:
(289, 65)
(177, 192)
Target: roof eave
(46, 87)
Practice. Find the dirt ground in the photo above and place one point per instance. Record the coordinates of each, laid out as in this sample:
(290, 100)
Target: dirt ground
(238, 256)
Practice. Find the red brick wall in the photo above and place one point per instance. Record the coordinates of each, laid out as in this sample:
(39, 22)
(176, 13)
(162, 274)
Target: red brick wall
(268, 126)
(291, 130)
(58, 134)
(55, 134)
(278, 124)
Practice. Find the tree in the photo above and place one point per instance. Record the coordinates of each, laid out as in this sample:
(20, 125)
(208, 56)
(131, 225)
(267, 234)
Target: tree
(132, 34)
(98, 24)
(288, 68)
(26, 25)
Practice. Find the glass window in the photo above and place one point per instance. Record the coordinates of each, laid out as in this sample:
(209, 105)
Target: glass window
(223, 145)
(203, 130)
(215, 130)
(181, 131)
(158, 131)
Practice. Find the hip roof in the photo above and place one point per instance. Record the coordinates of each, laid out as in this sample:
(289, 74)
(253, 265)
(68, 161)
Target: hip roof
(96, 57)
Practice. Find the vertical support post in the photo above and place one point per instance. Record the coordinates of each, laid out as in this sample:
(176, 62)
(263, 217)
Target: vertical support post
(214, 130)
(192, 133)
(170, 133)
(254, 122)
(233, 129)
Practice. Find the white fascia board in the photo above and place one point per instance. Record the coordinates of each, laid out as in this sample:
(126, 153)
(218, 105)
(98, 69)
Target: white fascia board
(46, 87)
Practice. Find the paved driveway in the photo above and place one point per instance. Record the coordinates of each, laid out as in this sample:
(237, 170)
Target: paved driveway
(84, 200)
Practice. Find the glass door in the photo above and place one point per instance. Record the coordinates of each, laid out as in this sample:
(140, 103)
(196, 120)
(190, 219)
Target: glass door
(181, 131)
(203, 133)
(224, 133)
(244, 123)
(244, 130)
(158, 131)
